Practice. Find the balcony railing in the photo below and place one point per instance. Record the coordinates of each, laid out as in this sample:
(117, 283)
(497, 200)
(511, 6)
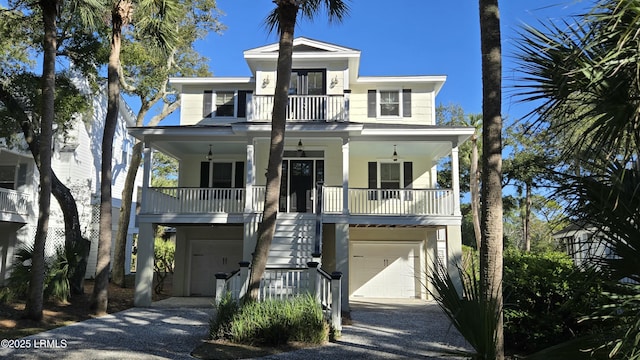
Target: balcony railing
(193, 201)
(390, 201)
(13, 202)
(438, 202)
(300, 108)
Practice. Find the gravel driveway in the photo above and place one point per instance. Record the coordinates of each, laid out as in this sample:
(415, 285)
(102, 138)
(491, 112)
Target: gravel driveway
(380, 330)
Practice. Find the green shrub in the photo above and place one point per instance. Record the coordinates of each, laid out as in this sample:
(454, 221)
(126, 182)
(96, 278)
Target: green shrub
(164, 254)
(56, 281)
(271, 322)
(545, 296)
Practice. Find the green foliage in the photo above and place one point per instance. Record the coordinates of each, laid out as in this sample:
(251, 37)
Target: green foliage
(546, 296)
(163, 255)
(56, 282)
(271, 322)
(473, 316)
(165, 170)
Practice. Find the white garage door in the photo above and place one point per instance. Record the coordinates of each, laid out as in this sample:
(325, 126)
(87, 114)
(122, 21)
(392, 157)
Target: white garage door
(209, 257)
(384, 269)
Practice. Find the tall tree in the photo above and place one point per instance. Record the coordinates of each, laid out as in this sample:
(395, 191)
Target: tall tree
(157, 19)
(145, 75)
(469, 159)
(49, 8)
(491, 192)
(283, 18)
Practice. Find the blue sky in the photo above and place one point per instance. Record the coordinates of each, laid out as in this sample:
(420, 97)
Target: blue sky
(414, 37)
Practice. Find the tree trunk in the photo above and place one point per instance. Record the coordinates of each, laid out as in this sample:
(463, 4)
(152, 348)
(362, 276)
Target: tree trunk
(119, 254)
(474, 187)
(287, 19)
(33, 309)
(99, 298)
(527, 219)
(491, 207)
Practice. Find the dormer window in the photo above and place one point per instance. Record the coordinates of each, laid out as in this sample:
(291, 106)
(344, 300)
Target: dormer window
(389, 103)
(225, 104)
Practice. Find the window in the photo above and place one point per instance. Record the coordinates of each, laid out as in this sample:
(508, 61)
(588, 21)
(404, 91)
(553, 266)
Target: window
(7, 177)
(389, 103)
(225, 104)
(387, 177)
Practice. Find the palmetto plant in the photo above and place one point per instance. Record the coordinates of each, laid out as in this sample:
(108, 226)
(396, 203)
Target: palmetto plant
(473, 316)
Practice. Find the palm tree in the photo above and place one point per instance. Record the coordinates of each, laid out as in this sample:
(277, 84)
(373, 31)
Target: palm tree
(158, 20)
(283, 18)
(491, 192)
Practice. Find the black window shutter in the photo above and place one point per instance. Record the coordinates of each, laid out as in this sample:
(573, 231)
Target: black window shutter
(207, 104)
(406, 102)
(408, 174)
(239, 180)
(373, 180)
(242, 103)
(408, 180)
(204, 174)
(371, 103)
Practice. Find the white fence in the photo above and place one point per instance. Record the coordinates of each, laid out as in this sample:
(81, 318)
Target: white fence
(193, 200)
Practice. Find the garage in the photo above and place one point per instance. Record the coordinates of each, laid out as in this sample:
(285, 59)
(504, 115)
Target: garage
(209, 257)
(385, 269)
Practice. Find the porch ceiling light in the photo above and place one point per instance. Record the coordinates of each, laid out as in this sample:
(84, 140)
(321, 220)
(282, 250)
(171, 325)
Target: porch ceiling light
(210, 154)
(300, 148)
(395, 153)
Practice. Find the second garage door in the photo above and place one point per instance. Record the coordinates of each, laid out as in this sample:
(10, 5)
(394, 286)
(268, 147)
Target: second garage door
(209, 257)
(384, 269)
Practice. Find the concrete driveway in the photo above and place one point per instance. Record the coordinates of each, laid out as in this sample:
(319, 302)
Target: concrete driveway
(381, 330)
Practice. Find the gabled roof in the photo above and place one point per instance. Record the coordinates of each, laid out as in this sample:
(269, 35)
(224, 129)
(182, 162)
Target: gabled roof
(303, 44)
(304, 48)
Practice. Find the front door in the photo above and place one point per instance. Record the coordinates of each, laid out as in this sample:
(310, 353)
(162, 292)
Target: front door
(301, 185)
(297, 186)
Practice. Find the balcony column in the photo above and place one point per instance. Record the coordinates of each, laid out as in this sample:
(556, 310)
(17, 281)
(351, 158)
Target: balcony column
(345, 176)
(144, 266)
(146, 172)
(455, 180)
(250, 179)
(347, 96)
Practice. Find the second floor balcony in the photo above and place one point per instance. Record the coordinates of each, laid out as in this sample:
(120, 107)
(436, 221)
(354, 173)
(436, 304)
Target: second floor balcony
(390, 202)
(301, 108)
(13, 205)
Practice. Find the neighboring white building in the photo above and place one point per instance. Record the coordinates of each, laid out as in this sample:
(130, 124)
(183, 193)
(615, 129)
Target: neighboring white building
(372, 141)
(583, 243)
(76, 161)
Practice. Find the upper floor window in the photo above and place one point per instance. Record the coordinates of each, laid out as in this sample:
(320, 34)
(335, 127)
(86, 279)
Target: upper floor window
(7, 177)
(227, 103)
(389, 103)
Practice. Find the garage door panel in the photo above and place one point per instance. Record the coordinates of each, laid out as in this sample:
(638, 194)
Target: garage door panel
(209, 257)
(386, 270)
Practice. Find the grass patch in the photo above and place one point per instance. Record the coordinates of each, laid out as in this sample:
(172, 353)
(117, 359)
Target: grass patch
(271, 322)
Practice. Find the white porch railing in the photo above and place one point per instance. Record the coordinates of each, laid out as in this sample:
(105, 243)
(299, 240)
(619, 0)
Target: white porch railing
(193, 200)
(14, 202)
(283, 283)
(361, 201)
(300, 108)
(390, 201)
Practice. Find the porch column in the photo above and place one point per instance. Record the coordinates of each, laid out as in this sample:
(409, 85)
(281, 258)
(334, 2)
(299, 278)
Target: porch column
(345, 177)
(342, 260)
(454, 254)
(144, 267)
(250, 179)
(455, 180)
(146, 172)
